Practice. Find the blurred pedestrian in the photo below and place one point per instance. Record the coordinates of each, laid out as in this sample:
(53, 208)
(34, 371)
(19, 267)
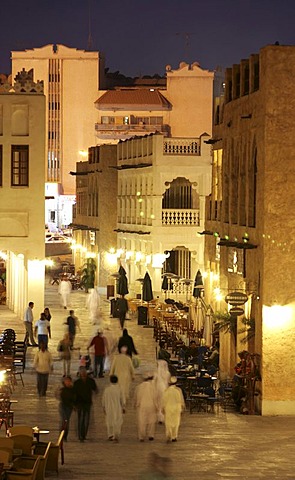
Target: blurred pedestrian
(47, 314)
(172, 405)
(73, 324)
(113, 407)
(64, 289)
(127, 341)
(43, 365)
(84, 387)
(42, 330)
(28, 322)
(99, 342)
(122, 308)
(161, 380)
(145, 402)
(64, 349)
(123, 368)
(67, 402)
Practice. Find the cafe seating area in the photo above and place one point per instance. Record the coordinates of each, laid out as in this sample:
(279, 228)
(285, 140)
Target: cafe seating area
(23, 455)
(197, 376)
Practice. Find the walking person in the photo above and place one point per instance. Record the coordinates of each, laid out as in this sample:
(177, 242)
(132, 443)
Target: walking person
(67, 400)
(172, 404)
(123, 368)
(84, 387)
(122, 308)
(161, 380)
(28, 322)
(43, 365)
(99, 342)
(113, 407)
(42, 330)
(64, 349)
(47, 314)
(64, 289)
(72, 323)
(127, 341)
(147, 408)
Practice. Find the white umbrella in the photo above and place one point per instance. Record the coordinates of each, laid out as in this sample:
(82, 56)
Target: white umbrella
(208, 329)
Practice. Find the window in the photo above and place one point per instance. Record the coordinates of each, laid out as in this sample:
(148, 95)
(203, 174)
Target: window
(20, 165)
(1, 150)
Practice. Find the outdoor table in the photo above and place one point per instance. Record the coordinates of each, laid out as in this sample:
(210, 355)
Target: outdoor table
(200, 401)
(38, 431)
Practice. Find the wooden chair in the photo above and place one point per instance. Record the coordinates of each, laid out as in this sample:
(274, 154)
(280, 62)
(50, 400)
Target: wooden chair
(6, 416)
(53, 457)
(4, 457)
(23, 443)
(7, 445)
(25, 474)
(27, 463)
(21, 430)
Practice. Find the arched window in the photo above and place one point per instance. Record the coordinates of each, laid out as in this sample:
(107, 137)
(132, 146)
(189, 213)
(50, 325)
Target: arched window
(180, 194)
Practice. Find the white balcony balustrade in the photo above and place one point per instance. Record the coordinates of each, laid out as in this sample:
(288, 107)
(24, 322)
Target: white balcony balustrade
(181, 146)
(183, 217)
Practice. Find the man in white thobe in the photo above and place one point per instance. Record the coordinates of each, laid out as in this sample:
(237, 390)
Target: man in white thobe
(123, 368)
(146, 403)
(113, 407)
(161, 380)
(64, 289)
(172, 405)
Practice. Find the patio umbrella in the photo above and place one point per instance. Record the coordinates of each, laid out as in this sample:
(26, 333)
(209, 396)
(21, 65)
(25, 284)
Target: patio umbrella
(147, 291)
(122, 284)
(198, 285)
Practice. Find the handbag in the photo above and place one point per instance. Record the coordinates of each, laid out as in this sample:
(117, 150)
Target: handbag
(136, 361)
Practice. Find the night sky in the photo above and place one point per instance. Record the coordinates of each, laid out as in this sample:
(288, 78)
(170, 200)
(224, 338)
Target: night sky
(142, 36)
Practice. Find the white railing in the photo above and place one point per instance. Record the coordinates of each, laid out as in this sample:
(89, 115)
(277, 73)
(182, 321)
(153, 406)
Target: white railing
(181, 217)
(181, 146)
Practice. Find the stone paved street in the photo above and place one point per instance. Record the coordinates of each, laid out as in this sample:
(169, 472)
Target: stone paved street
(210, 446)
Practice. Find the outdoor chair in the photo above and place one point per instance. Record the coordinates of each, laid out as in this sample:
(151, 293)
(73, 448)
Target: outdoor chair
(27, 463)
(4, 457)
(21, 430)
(24, 474)
(23, 443)
(53, 456)
(6, 415)
(7, 445)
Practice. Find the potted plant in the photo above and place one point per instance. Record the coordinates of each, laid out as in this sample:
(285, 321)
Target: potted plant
(88, 274)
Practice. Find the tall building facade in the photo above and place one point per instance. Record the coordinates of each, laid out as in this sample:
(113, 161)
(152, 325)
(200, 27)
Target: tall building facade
(22, 177)
(71, 82)
(163, 172)
(179, 107)
(249, 223)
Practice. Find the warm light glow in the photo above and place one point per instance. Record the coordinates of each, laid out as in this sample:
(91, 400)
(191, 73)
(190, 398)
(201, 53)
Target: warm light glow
(140, 200)
(48, 262)
(205, 274)
(120, 252)
(277, 317)
(90, 255)
(216, 291)
(3, 255)
(111, 259)
(141, 214)
(129, 254)
(83, 153)
(84, 249)
(148, 259)
(152, 216)
(216, 277)
(112, 250)
(2, 375)
(138, 194)
(159, 259)
(138, 256)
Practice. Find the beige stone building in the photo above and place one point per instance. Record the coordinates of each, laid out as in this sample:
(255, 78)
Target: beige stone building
(71, 82)
(22, 177)
(178, 106)
(249, 223)
(95, 215)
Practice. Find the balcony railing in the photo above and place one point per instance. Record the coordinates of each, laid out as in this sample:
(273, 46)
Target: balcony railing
(189, 217)
(181, 146)
(110, 128)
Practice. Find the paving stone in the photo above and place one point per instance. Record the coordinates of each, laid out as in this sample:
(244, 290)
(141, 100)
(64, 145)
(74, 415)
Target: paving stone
(210, 446)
